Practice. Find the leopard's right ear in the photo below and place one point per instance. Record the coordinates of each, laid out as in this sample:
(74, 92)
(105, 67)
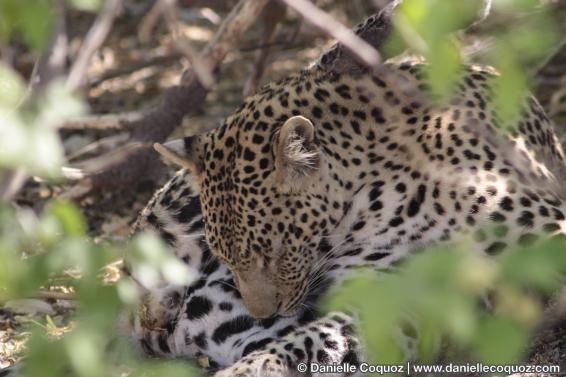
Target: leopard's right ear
(186, 152)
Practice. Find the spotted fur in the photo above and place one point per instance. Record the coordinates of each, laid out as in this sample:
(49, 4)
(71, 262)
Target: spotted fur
(366, 164)
(209, 319)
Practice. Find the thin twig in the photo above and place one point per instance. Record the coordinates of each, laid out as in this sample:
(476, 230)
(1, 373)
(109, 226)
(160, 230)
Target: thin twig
(102, 122)
(52, 61)
(149, 21)
(242, 16)
(272, 16)
(110, 142)
(92, 42)
(346, 37)
(183, 44)
(135, 66)
(52, 295)
(11, 183)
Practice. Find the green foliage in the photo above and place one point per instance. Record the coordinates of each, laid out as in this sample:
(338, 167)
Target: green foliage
(150, 260)
(28, 136)
(526, 34)
(439, 292)
(33, 250)
(31, 19)
(418, 22)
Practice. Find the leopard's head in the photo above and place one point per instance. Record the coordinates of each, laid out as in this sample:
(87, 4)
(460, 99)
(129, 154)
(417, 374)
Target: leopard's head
(259, 180)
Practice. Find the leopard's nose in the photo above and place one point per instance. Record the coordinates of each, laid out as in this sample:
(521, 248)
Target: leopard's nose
(259, 294)
(262, 310)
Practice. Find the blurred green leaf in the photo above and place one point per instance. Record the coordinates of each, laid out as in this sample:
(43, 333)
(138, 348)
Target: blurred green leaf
(539, 266)
(173, 368)
(69, 216)
(444, 68)
(44, 357)
(515, 5)
(12, 89)
(152, 263)
(87, 5)
(29, 139)
(35, 22)
(426, 26)
(32, 19)
(84, 347)
(439, 292)
(500, 340)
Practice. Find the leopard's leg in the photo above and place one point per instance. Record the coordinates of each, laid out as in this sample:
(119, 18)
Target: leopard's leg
(328, 340)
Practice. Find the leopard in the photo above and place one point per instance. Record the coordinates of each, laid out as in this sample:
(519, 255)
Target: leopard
(366, 167)
(207, 320)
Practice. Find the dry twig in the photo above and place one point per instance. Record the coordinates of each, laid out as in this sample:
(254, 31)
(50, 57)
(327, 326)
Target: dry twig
(203, 72)
(346, 37)
(12, 181)
(272, 16)
(53, 295)
(92, 42)
(102, 122)
(135, 66)
(52, 61)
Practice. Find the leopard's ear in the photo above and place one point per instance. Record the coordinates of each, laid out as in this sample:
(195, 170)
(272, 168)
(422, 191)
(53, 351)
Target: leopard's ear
(186, 152)
(297, 155)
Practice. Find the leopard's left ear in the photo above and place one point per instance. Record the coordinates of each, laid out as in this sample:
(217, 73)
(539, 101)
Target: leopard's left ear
(297, 156)
(186, 153)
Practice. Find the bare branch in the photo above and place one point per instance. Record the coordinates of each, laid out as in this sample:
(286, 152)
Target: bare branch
(106, 143)
(346, 37)
(149, 21)
(242, 16)
(135, 66)
(203, 72)
(12, 181)
(52, 61)
(272, 16)
(483, 13)
(92, 42)
(102, 122)
(128, 165)
(53, 295)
